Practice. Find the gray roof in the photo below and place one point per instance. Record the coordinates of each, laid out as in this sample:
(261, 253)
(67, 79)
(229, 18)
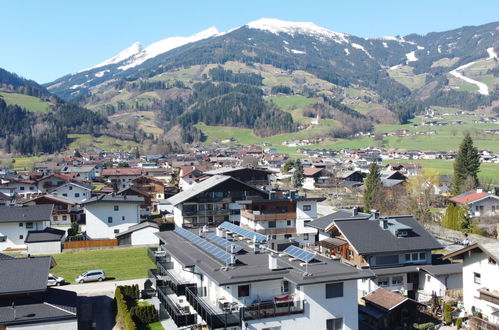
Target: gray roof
(253, 267)
(20, 275)
(114, 199)
(395, 270)
(323, 222)
(203, 186)
(367, 237)
(139, 226)
(26, 213)
(46, 235)
(444, 269)
(388, 183)
(54, 305)
(490, 249)
(78, 169)
(61, 199)
(73, 183)
(227, 170)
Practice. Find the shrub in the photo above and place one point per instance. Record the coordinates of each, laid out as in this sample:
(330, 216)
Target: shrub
(447, 313)
(424, 326)
(144, 314)
(123, 311)
(459, 323)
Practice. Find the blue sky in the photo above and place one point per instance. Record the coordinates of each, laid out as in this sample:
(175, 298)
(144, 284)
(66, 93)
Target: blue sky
(43, 40)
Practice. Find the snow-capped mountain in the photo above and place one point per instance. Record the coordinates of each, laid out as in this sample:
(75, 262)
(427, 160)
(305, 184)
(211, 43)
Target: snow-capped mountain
(134, 49)
(305, 28)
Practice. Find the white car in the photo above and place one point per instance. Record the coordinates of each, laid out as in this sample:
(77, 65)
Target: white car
(91, 275)
(55, 280)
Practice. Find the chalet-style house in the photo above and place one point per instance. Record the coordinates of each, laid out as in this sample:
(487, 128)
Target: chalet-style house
(481, 204)
(189, 175)
(212, 201)
(25, 300)
(252, 286)
(76, 191)
(139, 234)
(282, 216)
(393, 247)
(65, 210)
(314, 177)
(480, 280)
(87, 173)
(122, 177)
(154, 186)
(108, 215)
(255, 177)
(17, 221)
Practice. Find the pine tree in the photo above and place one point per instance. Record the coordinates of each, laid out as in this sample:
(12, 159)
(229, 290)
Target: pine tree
(297, 178)
(466, 166)
(372, 187)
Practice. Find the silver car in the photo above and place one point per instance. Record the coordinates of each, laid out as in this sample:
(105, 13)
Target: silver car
(55, 280)
(91, 275)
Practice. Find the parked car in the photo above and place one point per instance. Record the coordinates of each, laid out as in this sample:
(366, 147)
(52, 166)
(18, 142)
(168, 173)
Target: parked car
(91, 275)
(55, 280)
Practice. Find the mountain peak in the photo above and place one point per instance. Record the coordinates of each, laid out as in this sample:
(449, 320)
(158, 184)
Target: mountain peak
(123, 55)
(307, 28)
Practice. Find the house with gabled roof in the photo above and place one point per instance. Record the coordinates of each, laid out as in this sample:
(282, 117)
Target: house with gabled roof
(122, 177)
(25, 300)
(256, 177)
(211, 201)
(189, 175)
(64, 209)
(481, 203)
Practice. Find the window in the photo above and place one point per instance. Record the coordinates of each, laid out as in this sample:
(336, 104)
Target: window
(305, 237)
(77, 194)
(334, 290)
(288, 222)
(109, 219)
(21, 188)
(29, 225)
(334, 324)
(272, 224)
(21, 236)
(31, 188)
(397, 280)
(123, 218)
(273, 328)
(477, 278)
(287, 236)
(349, 254)
(383, 281)
(284, 286)
(116, 208)
(387, 260)
(415, 257)
(3, 238)
(20, 224)
(70, 188)
(274, 236)
(64, 217)
(116, 231)
(65, 195)
(243, 291)
(307, 207)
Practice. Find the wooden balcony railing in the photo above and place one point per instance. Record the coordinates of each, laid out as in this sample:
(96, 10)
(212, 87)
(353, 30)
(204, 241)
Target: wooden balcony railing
(248, 214)
(490, 296)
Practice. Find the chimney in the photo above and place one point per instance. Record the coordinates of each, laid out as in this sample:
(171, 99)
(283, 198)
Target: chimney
(384, 223)
(479, 190)
(354, 211)
(272, 262)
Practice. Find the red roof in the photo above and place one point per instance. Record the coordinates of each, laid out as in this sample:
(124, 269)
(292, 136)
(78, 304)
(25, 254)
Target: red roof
(468, 197)
(121, 171)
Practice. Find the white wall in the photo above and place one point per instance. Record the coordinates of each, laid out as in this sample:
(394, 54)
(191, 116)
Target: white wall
(44, 248)
(97, 214)
(301, 214)
(145, 236)
(12, 231)
(487, 207)
(478, 263)
(56, 325)
(429, 284)
(70, 191)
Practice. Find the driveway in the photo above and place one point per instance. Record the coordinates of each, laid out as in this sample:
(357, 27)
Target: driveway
(94, 302)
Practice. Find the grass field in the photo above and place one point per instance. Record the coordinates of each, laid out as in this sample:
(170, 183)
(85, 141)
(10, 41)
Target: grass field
(26, 163)
(405, 76)
(119, 264)
(84, 141)
(30, 103)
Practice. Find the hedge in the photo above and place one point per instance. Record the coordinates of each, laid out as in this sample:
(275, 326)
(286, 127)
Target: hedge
(144, 314)
(123, 311)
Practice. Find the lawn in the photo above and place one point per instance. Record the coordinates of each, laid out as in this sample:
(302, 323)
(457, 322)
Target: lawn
(119, 264)
(104, 142)
(405, 76)
(30, 103)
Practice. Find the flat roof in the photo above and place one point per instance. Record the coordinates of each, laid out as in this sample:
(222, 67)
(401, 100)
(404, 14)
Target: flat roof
(254, 267)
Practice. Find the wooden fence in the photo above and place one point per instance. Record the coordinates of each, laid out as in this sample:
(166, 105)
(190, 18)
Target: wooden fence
(91, 243)
(479, 324)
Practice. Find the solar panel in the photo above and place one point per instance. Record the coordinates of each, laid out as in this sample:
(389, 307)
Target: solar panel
(243, 232)
(298, 253)
(224, 243)
(205, 245)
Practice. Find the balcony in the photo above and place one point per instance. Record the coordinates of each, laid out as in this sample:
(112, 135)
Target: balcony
(173, 281)
(490, 296)
(273, 231)
(249, 214)
(190, 213)
(214, 318)
(180, 314)
(213, 199)
(271, 309)
(156, 254)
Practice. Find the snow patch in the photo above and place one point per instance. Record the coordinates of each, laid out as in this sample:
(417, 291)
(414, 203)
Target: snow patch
(411, 57)
(77, 86)
(100, 74)
(439, 49)
(347, 52)
(491, 52)
(276, 26)
(482, 88)
(420, 47)
(285, 42)
(385, 44)
(295, 51)
(123, 55)
(166, 45)
(357, 46)
(397, 39)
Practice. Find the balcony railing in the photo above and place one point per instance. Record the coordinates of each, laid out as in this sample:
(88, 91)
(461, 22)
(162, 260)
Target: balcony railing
(490, 296)
(156, 254)
(272, 309)
(172, 281)
(178, 314)
(248, 214)
(189, 213)
(273, 231)
(213, 319)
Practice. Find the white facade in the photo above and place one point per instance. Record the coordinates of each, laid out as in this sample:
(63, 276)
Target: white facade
(145, 236)
(72, 191)
(13, 234)
(480, 272)
(123, 181)
(45, 247)
(439, 284)
(55, 325)
(103, 221)
(25, 190)
(486, 207)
